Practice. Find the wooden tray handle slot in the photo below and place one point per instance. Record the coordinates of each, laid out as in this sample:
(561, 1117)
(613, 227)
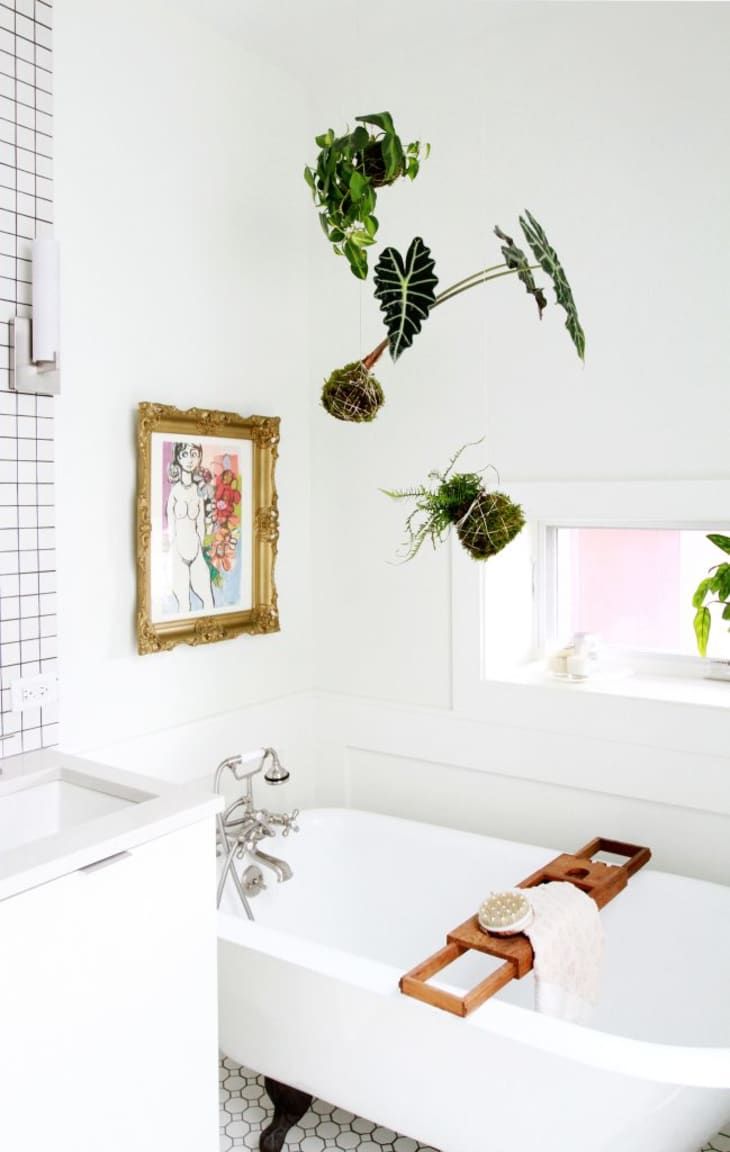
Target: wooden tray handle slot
(415, 982)
(637, 855)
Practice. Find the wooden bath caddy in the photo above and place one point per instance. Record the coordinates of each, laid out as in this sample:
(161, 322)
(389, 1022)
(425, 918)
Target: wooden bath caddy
(600, 881)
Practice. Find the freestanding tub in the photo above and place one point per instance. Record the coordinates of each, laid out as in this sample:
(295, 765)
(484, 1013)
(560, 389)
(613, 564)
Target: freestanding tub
(309, 996)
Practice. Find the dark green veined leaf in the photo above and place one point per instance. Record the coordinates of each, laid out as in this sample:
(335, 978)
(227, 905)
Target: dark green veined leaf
(702, 623)
(516, 258)
(702, 589)
(382, 120)
(720, 541)
(406, 291)
(548, 260)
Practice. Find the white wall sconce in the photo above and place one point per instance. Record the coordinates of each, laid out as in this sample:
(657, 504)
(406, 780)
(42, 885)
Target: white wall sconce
(36, 361)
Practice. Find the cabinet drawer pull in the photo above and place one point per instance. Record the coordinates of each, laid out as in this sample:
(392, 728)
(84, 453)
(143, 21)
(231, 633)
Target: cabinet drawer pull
(99, 864)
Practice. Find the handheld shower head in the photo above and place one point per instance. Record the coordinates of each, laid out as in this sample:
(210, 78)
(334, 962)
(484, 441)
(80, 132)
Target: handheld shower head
(275, 773)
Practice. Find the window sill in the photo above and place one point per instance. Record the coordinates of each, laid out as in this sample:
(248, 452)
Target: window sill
(694, 690)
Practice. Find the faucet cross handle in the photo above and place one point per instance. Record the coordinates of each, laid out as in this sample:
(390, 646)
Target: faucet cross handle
(288, 822)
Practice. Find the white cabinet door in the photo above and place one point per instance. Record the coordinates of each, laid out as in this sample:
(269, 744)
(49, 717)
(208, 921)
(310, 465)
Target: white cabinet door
(108, 1005)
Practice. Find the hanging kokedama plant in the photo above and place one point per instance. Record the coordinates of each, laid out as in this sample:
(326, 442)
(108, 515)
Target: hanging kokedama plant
(344, 181)
(406, 290)
(346, 176)
(352, 393)
(485, 521)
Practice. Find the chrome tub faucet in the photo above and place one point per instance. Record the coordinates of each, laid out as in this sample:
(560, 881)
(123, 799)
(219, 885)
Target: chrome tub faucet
(241, 826)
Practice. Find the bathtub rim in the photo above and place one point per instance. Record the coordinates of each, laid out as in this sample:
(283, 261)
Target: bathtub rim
(681, 1065)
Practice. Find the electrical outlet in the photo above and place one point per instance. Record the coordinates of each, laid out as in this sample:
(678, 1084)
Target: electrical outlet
(33, 692)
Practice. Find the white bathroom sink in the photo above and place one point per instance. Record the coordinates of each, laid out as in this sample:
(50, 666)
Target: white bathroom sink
(40, 810)
(61, 813)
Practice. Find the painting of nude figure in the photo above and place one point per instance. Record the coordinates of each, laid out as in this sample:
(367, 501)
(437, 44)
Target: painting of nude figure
(207, 526)
(201, 518)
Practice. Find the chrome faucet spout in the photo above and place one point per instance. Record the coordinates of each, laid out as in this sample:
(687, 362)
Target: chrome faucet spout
(280, 868)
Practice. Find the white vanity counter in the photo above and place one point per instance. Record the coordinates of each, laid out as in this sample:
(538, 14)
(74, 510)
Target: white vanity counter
(108, 943)
(59, 813)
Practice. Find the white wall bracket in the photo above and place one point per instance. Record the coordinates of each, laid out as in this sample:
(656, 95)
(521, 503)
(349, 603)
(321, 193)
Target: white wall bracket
(42, 378)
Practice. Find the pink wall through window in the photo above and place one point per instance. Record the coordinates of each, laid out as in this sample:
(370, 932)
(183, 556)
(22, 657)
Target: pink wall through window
(626, 585)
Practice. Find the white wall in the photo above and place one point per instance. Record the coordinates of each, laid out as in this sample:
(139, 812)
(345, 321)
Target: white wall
(199, 275)
(604, 120)
(184, 282)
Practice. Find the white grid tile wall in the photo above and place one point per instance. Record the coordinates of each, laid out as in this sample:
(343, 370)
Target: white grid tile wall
(27, 505)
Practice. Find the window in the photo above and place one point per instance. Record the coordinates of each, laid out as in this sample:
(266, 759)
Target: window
(631, 586)
(621, 559)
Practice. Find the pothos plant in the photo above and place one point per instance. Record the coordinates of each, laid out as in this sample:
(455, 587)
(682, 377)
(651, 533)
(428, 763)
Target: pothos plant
(346, 175)
(716, 587)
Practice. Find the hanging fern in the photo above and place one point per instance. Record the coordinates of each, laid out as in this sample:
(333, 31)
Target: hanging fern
(485, 521)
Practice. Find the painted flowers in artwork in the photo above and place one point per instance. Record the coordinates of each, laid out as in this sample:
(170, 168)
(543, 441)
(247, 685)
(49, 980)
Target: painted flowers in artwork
(223, 518)
(202, 497)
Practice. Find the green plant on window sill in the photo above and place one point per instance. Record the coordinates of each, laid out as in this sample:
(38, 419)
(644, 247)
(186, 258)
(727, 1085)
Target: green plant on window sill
(347, 173)
(717, 582)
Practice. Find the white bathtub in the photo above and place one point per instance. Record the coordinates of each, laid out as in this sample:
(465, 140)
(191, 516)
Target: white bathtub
(309, 995)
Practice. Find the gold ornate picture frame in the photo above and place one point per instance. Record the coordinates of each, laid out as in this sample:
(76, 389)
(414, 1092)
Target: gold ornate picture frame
(207, 526)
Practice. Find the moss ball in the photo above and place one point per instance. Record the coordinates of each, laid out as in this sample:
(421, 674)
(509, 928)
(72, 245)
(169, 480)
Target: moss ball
(489, 524)
(352, 393)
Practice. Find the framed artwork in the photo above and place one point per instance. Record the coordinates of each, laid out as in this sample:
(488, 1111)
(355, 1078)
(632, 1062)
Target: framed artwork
(207, 526)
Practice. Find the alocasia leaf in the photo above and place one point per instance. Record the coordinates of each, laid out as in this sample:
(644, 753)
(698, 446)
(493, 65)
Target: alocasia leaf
(516, 258)
(548, 260)
(406, 291)
(702, 624)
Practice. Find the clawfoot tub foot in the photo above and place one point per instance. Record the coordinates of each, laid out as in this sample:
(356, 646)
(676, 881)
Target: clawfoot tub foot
(289, 1106)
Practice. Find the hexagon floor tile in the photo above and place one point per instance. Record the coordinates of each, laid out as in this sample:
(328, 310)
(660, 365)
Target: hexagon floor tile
(245, 1109)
